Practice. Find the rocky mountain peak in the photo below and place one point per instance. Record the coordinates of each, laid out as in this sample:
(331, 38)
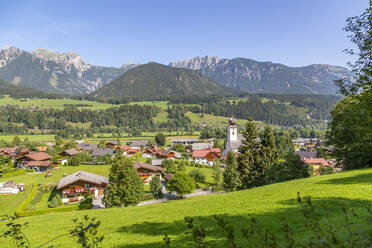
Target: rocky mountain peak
(198, 63)
(8, 54)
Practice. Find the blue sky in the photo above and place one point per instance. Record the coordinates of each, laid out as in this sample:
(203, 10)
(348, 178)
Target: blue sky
(111, 33)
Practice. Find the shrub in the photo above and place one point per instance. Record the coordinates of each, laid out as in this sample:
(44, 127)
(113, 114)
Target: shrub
(53, 203)
(197, 175)
(147, 197)
(324, 170)
(87, 203)
(156, 188)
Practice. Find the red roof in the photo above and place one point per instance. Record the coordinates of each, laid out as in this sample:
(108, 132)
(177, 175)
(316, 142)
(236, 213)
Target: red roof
(38, 156)
(124, 147)
(321, 161)
(39, 163)
(132, 151)
(203, 153)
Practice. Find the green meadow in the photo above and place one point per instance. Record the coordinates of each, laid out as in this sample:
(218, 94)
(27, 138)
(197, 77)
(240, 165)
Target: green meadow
(145, 226)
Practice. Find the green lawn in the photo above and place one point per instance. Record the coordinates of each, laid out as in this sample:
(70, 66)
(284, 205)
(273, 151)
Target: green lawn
(36, 137)
(53, 103)
(145, 226)
(9, 203)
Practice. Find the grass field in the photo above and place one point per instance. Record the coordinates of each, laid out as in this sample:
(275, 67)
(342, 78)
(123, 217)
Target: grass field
(53, 103)
(145, 226)
(161, 104)
(36, 137)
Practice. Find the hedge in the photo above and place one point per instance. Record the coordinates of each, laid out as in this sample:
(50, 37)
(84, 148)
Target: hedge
(21, 212)
(26, 202)
(16, 173)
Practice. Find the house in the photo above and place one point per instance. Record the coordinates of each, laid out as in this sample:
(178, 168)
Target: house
(100, 152)
(234, 140)
(201, 146)
(39, 161)
(206, 156)
(87, 147)
(8, 151)
(147, 172)
(73, 187)
(62, 161)
(10, 188)
(69, 153)
(185, 141)
(158, 153)
(138, 144)
(112, 144)
(317, 163)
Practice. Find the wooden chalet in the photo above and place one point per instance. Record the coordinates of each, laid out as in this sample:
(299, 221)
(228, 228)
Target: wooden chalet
(69, 153)
(74, 187)
(147, 172)
(39, 161)
(206, 156)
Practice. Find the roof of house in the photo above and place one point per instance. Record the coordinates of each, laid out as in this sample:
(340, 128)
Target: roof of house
(87, 147)
(82, 176)
(321, 161)
(123, 147)
(157, 162)
(204, 152)
(71, 152)
(39, 163)
(102, 152)
(132, 151)
(42, 148)
(138, 165)
(38, 156)
(304, 154)
(201, 146)
(8, 150)
(138, 143)
(184, 140)
(112, 142)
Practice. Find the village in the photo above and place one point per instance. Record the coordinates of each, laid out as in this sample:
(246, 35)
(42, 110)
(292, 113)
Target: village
(150, 160)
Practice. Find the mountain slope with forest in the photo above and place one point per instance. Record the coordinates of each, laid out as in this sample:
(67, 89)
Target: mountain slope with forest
(154, 79)
(267, 77)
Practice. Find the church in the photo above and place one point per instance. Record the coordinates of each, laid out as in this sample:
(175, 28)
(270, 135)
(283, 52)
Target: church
(233, 140)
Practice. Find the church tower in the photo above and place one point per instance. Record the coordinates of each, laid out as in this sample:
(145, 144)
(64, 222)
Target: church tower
(232, 131)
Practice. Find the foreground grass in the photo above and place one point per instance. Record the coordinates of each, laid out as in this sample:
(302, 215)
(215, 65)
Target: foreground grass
(144, 226)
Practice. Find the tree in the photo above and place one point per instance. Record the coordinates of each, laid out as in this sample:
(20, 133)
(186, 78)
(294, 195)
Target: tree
(181, 183)
(16, 141)
(10, 165)
(156, 188)
(250, 164)
(217, 172)
(179, 147)
(361, 35)
(197, 175)
(270, 153)
(160, 139)
(231, 177)
(181, 166)
(170, 166)
(125, 186)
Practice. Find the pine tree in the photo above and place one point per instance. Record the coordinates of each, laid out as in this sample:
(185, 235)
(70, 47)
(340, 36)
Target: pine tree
(270, 153)
(125, 186)
(231, 177)
(160, 139)
(250, 164)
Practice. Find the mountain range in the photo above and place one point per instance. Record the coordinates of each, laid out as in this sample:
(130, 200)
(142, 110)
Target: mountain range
(55, 72)
(267, 77)
(155, 79)
(67, 73)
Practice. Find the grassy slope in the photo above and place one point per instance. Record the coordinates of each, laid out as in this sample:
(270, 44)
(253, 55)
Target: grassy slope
(52, 103)
(144, 226)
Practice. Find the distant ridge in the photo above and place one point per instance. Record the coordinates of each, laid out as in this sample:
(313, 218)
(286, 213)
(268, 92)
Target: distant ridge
(267, 77)
(155, 79)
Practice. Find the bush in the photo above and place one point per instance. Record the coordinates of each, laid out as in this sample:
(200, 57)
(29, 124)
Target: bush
(87, 203)
(197, 175)
(217, 188)
(55, 202)
(147, 197)
(324, 170)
